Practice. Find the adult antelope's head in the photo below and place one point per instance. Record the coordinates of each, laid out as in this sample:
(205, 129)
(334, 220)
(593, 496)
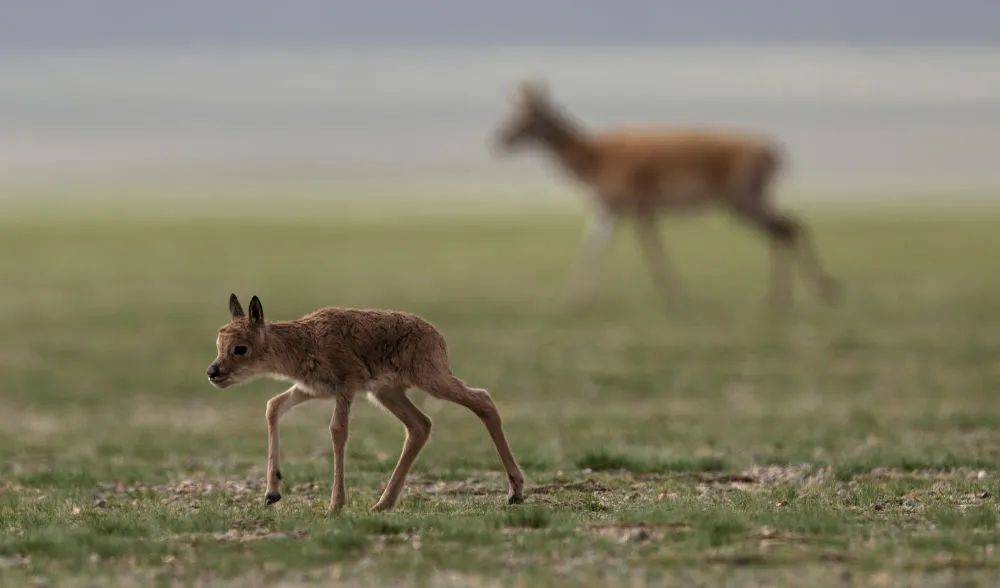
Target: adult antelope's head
(241, 346)
(534, 119)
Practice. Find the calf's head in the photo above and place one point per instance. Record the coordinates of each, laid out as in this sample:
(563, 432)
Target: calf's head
(241, 346)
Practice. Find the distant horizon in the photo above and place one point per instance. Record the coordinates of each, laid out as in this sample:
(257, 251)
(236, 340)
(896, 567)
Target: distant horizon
(573, 23)
(925, 117)
(49, 49)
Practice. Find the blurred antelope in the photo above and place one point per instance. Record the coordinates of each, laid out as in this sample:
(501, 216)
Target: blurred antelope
(641, 174)
(336, 353)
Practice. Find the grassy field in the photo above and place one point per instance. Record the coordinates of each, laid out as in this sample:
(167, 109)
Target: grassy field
(712, 442)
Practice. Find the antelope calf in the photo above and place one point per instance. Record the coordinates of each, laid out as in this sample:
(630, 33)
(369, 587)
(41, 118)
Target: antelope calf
(337, 353)
(642, 174)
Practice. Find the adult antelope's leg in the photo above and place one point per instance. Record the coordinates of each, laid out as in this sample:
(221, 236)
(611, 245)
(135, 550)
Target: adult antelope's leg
(789, 236)
(780, 294)
(418, 431)
(783, 235)
(276, 407)
(448, 387)
(338, 434)
(826, 286)
(664, 278)
(598, 237)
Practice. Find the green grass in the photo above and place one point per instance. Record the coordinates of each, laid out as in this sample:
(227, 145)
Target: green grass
(707, 443)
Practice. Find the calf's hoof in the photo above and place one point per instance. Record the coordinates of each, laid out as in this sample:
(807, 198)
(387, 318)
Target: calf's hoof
(515, 489)
(271, 498)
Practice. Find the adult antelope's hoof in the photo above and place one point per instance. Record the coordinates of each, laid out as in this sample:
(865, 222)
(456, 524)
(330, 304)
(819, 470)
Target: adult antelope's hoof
(515, 499)
(271, 498)
(380, 507)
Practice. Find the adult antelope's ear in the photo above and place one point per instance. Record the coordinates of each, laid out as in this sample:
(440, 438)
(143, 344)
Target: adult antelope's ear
(518, 97)
(533, 92)
(256, 312)
(235, 310)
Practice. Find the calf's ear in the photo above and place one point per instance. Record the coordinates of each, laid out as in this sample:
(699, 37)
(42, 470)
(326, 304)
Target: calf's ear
(235, 310)
(256, 312)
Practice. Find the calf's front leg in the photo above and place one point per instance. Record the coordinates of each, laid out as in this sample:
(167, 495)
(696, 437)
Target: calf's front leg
(338, 434)
(276, 407)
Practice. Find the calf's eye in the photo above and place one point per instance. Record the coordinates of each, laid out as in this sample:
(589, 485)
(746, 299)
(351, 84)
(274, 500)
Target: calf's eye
(240, 350)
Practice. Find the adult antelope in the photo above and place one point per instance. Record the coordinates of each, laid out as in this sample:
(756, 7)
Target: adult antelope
(641, 174)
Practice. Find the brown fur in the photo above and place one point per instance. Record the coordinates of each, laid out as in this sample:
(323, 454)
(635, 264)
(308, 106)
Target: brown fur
(641, 174)
(337, 353)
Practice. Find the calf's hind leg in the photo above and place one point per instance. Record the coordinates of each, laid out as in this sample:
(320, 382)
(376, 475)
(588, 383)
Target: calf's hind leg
(418, 431)
(448, 387)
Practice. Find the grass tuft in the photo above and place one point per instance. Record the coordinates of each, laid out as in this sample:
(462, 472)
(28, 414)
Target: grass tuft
(528, 517)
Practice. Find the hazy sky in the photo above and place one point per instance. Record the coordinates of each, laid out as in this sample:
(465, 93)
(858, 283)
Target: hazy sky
(53, 23)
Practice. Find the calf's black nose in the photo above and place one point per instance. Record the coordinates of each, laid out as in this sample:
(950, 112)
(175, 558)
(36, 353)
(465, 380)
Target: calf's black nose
(213, 370)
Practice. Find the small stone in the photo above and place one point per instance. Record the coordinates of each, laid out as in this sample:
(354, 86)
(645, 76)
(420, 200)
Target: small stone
(14, 561)
(768, 532)
(637, 536)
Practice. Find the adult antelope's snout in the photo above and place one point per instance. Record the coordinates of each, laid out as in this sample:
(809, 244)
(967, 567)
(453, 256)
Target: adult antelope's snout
(505, 140)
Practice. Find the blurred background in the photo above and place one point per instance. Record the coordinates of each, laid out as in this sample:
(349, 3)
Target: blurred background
(156, 156)
(873, 100)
